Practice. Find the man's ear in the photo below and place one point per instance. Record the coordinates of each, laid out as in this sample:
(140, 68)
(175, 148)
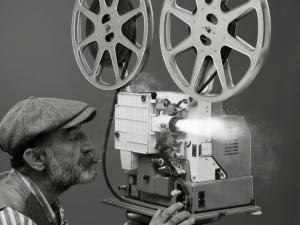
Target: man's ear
(34, 160)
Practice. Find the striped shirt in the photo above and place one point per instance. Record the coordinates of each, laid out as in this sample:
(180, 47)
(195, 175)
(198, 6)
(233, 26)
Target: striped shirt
(8, 216)
(55, 214)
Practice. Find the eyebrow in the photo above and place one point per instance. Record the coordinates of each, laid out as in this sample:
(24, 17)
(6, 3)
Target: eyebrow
(73, 128)
(70, 131)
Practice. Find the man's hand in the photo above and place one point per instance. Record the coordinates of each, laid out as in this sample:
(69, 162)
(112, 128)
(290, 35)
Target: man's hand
(171, 217)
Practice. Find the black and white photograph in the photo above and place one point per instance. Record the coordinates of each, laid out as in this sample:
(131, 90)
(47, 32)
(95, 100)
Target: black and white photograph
(149, 112)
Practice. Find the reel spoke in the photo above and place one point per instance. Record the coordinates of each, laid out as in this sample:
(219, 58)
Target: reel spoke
(182, 46)
(198, 71)
(87, 41)
(89, 14)
(102, 4)
(209, 72)
(115, 3)
(228, 75)
(128, 44)
(241, 11)
(240, 45)
(114, 59)
(221, 71)
(131, 14)
(199, 3)
(181, 13)
(97, 66)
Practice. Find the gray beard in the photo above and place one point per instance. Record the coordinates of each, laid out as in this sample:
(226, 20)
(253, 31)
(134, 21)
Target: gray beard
(62, 176)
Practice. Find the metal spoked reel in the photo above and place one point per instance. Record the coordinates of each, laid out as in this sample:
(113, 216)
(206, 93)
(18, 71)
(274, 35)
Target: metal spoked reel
(107, 28)
(211, 36)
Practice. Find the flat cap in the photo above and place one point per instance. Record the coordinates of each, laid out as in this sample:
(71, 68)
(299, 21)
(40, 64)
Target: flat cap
(34, 116)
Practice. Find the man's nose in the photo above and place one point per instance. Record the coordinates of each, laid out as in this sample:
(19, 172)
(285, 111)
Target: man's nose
(89, 146)
(86, 143)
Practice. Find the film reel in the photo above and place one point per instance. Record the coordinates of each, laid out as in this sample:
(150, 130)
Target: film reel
(109, 33)
(210, 36)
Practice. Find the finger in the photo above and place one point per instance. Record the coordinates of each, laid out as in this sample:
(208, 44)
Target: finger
(155, 218)
(190, 221)
(179, 217)
(168, 213)
(157, 214)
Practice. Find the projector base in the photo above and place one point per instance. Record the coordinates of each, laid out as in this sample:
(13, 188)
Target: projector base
(142, 215)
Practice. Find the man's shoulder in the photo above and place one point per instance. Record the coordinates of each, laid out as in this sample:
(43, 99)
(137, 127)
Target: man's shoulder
(9, 197)
(12, 216)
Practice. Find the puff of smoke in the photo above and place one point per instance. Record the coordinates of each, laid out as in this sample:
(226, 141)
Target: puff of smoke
(203, 127)
(145, 82)
(207, 126)
(265, 153)
(265, 147)
(265, 143)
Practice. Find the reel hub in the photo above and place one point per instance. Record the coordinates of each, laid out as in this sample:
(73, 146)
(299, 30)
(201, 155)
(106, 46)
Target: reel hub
(129, 31)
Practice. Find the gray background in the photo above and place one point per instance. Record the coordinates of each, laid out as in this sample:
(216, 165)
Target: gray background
(36, 59)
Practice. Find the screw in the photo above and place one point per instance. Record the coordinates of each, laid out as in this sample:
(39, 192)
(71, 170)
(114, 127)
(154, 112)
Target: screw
(131, 180)
(107, 28)
(208, 29)
(117, 135)
(144, 98)
(123, 188)
(146, 177)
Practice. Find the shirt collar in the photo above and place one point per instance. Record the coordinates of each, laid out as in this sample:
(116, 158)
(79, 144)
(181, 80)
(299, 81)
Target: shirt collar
(55, 212)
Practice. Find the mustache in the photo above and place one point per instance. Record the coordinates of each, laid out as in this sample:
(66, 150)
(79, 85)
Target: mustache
(87, 160)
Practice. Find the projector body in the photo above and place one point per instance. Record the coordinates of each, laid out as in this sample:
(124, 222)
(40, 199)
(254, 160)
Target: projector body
(205, 171)
(176, 147)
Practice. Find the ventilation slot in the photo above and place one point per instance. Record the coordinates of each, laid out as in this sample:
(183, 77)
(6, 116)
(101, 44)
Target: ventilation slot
(231, 147)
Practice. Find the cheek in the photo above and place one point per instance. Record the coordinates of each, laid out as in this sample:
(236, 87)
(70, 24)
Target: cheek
(69, 153)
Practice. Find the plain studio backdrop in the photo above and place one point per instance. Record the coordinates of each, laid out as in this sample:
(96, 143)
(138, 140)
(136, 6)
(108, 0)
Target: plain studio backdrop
(36, 59)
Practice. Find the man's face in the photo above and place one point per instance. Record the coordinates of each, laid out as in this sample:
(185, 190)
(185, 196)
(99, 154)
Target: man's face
(70, 159)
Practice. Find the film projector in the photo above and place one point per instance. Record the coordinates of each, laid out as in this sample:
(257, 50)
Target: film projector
(175, 146)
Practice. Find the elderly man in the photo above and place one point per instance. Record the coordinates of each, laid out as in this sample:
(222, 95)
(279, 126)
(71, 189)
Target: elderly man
(50, 153)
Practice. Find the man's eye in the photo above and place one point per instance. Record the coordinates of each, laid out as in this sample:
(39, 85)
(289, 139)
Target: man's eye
(76, 136)
(71, 138)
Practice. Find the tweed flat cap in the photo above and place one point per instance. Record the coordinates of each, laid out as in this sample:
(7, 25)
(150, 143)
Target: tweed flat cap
(34, 116)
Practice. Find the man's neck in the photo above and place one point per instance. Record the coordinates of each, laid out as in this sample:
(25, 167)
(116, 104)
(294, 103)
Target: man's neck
(50, 195)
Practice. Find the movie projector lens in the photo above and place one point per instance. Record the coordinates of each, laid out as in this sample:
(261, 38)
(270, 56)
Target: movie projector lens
(173, 124)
